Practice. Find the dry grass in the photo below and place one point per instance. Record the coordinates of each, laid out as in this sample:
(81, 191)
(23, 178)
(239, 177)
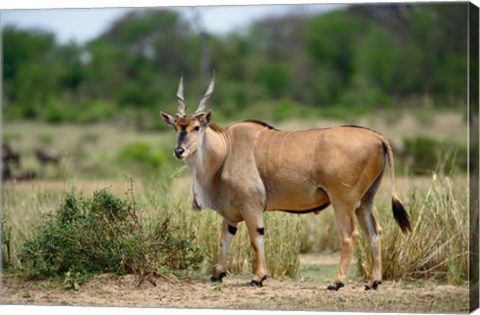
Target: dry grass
(437, 247)
(282, 245)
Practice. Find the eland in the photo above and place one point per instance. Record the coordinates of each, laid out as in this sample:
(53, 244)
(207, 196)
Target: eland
(250, 167)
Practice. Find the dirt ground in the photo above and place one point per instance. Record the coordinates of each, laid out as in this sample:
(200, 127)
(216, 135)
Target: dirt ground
(303, 293)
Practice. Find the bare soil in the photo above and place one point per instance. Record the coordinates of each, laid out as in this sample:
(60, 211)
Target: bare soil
(303, 293)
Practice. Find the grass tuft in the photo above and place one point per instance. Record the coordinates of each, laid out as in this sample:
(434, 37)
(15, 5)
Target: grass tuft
(437, 247)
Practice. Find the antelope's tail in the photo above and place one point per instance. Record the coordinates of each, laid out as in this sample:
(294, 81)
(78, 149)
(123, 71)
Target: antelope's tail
(399, 212)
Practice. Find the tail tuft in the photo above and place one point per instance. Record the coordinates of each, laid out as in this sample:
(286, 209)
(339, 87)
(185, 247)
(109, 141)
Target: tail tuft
(401, 215)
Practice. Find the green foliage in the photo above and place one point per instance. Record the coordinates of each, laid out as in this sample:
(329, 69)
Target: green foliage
(142, 155)
(331, 40)
(27, 75)
(73, 280)
(86, 112)
(351, 57)
(87, 236)
(285, 109)
(54, 114)
(425, 155)
(275, 78)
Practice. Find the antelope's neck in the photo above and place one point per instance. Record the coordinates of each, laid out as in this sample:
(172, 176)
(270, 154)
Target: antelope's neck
(210, 155)
(205, 165)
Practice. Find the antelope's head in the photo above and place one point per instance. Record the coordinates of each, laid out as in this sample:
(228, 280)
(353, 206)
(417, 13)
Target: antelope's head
(189, 128)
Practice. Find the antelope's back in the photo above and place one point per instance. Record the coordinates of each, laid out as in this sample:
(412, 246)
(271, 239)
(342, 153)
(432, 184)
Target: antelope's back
(300, 169)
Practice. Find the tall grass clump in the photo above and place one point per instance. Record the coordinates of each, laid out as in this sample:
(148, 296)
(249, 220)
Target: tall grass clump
(282, 244)
(437, 247)
(21, 210)
(87, 236)
(6, 247)
(320, 232)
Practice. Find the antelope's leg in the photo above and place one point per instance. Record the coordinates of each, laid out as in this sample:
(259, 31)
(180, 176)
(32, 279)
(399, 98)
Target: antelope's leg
(256, 231)
(228, 231)
(348, 233)
(367, 218)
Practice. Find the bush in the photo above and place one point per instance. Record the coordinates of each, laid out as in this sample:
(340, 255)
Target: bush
(424, 155)
(275, 77)
(54, 114)
(142, 155)
(87, 236)
(284, 109)
(94, 111)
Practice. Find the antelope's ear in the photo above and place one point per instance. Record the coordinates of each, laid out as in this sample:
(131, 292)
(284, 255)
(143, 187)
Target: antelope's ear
(167, 119)
(204, 118)
(208, 117)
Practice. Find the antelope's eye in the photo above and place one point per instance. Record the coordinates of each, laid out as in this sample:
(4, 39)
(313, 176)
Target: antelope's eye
(197, 128)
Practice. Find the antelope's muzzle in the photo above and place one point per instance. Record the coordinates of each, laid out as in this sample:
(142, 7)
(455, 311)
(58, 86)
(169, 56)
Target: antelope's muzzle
(179, 152)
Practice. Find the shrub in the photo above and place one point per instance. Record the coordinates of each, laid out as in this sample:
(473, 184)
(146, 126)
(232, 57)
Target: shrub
(86, 236)
(424, 155)
(285, 109)
(142, 155)
(55, 114)
(275, 78)
(94, 111)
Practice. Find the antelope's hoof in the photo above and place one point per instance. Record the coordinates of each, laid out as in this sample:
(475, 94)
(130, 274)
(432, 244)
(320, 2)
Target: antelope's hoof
(374, 285)
(258, 284)
(335, 286)
(214, 278)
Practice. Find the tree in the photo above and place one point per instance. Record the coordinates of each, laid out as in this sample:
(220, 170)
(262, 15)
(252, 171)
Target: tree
(28, 59)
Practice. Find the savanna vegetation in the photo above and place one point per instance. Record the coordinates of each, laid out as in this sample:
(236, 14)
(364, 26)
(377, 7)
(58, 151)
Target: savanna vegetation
(118, 202)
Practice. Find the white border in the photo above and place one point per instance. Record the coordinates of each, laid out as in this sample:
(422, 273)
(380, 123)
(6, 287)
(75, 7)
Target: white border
(58, 4)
